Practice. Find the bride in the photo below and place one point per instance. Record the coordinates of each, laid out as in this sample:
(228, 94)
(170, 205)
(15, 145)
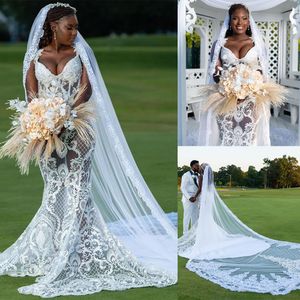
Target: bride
(222, 249)
(98, 227)
(242, 121)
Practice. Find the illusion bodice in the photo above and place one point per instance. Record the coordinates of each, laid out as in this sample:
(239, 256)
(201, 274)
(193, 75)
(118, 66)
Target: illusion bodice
(64, 85)
(229, 58)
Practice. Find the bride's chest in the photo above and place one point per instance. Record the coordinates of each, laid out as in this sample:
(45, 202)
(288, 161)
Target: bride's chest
(229, 58)
(69, 75)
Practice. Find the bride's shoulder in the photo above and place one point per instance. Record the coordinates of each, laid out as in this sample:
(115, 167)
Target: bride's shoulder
(37, 55)
(220, 42)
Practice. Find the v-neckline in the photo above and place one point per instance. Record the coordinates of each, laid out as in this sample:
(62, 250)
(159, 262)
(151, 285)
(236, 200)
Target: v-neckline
(225, 40)
(64, 67)
(236, 56)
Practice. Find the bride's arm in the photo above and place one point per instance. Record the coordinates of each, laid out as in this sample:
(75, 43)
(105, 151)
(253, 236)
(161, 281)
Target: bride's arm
(31, 83)
(216, 75)
(86, 86)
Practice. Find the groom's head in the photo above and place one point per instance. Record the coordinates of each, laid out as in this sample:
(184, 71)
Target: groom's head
(195, 165)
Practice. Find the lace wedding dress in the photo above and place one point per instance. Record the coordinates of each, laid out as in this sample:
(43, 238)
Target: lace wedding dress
(241, 126)
(222, 249)
(238, 128)
(68, 242)
(248, 123)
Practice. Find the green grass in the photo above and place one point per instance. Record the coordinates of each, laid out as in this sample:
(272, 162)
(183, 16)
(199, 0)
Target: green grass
(140, 74)
(273, 213)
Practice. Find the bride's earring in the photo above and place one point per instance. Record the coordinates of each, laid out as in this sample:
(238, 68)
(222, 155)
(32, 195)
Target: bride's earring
(230, 28)
(55, 39)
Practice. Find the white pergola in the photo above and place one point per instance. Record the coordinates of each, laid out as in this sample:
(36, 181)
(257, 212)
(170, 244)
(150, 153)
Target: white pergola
(206, 20)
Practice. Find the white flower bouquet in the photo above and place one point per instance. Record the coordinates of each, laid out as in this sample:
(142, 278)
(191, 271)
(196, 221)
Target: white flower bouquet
(36, 127)
(239, 82)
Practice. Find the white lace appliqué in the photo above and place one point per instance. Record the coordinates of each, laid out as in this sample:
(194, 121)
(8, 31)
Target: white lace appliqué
(238, 127)
(67, 242)
(262, 273)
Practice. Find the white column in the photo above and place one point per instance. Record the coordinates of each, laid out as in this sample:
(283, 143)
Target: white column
(181, 65)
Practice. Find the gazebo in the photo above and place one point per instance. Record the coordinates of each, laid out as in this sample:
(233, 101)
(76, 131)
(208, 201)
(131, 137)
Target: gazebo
(274, 19)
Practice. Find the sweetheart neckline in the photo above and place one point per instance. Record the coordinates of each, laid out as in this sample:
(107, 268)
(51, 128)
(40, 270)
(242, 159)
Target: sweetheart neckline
(236, 56)
(63, 69)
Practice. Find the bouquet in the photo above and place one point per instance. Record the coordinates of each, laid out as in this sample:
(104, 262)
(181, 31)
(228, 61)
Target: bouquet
(36, 127)
(239, 82)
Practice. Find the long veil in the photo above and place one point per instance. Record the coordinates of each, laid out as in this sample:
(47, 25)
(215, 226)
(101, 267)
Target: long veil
(225, 251)
(208, 129)
(124, 200)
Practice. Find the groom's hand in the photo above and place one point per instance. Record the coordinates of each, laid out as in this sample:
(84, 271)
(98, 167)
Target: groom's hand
(192, 199)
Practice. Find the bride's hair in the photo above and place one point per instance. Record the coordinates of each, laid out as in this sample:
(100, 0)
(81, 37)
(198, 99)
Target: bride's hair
(53, 15)
(231, 10)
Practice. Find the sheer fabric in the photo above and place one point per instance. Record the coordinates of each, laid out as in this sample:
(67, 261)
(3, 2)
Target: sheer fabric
(244, 126)
(98, 227)
(225, 251)
(239, 127)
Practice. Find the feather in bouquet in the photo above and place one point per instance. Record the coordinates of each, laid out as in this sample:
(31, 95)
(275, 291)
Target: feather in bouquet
(36, 127)
(239, 82)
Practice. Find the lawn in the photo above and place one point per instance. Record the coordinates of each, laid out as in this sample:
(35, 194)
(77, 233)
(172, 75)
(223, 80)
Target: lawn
(273, 213)
(140, 74)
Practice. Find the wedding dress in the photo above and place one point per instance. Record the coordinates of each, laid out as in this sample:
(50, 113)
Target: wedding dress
(246, 125)
(222, 249)
(98, 227)
(238, 128)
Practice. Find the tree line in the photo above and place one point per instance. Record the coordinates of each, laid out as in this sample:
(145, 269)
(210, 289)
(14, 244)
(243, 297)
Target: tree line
(103, 17)
(277, 173)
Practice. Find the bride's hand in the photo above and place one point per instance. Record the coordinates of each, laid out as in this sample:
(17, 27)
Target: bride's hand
(62, 131)
(192, 199)
(217, 73)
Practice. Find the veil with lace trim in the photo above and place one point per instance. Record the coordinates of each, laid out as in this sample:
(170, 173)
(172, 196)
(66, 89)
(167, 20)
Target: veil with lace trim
(224, 250)
(124, 201)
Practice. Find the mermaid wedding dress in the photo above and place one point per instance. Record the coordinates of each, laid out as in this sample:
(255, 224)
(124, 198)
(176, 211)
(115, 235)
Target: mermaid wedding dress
(222, 249)
(238, 128)
(243, 126)
(67, 240)
(98, 227)
(248, 123)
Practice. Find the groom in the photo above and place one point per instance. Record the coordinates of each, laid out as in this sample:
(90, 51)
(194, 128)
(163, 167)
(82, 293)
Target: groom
(189, 188)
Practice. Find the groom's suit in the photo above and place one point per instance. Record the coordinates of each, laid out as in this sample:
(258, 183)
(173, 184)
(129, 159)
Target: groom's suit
(189, 187)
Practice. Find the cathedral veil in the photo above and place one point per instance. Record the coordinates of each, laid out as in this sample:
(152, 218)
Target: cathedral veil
(224, 250)
(126, 204)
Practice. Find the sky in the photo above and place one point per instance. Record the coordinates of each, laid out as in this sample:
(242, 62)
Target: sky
(240, 156)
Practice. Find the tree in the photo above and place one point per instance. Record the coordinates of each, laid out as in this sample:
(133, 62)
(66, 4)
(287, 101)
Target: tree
(182, 170)
(222, 176)
(282, 172)
(236, 175)
(230, 175)
(102, 17)
(254, 178)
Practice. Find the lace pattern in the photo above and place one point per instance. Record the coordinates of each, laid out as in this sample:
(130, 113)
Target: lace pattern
(50, 84)
(224, 250)
(67, 241)
(277, 275)
(238, 127)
